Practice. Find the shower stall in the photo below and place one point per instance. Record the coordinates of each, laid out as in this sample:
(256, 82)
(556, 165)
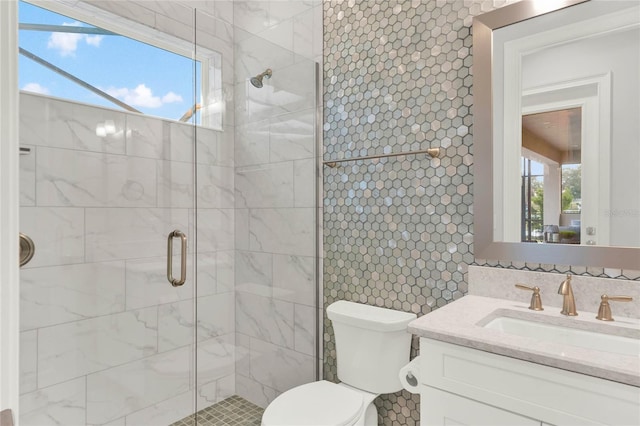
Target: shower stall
(175, 232)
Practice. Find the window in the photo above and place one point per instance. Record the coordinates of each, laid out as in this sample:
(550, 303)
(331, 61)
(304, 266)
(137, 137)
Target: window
(532, 173)
(71, 59)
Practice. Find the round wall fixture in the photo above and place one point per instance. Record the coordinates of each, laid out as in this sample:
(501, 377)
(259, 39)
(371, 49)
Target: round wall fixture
(27, 249)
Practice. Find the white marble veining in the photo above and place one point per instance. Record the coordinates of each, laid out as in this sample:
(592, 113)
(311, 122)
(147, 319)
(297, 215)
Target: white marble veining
(225, 387)
(164, 412)
(69, 125)
(58, 233)
(175, 183)
(180, 142)
(147, 284)
(268, 319)
(280, 34)
(127, 233)
(175, 325)
(304, 318)
(251, 15)
(293, 279)
(74, 349)
(243, 354)
(280, 368)
(304, 175)
(303, 39)
(252, 143)
(215, 358)
(79, 179)
(253, 53)
(207, 394)
(215, 229)
(58, 294)
(461, 322)
(176, 320)
(28, 361)
(264, 186)
(242, 229)
(285, 231)
(225, 270)
(147, 137)
(254, 391)
(215, 187)
(209, 271)
(281, 10)
(254, 272)
(130, 387)
(59, 405)
(215, 147)
(292, 136)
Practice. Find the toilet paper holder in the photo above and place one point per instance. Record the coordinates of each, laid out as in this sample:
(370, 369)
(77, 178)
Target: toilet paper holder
(411, 379)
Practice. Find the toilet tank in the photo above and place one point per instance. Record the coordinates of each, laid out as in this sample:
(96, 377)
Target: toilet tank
(372, 344)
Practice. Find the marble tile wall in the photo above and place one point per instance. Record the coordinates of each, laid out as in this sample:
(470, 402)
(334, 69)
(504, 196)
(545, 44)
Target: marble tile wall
(275, 198)
(259, 198)
(104, 336)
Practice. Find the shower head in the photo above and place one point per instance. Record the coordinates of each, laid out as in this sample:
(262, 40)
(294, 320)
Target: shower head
(257, 80)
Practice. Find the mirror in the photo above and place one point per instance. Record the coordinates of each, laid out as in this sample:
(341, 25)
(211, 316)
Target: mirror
(556, 133)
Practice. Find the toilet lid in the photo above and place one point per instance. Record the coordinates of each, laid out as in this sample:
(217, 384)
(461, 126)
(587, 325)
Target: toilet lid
(318, 403)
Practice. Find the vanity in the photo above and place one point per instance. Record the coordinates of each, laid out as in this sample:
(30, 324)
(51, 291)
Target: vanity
(491, 361)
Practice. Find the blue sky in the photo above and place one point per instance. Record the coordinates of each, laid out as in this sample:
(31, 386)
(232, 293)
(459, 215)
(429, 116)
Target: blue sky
(149, 79)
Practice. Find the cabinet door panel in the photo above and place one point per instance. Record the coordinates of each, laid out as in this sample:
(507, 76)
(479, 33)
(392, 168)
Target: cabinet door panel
(439, 408)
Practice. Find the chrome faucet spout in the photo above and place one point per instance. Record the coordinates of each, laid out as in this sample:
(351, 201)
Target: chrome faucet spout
(568, 301)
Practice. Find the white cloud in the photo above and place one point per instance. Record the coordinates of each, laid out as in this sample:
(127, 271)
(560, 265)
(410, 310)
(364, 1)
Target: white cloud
(35, 88)
(67, 43)
(171, 98)
(142, 96)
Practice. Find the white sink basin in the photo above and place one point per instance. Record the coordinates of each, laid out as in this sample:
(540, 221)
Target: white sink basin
(567, 336)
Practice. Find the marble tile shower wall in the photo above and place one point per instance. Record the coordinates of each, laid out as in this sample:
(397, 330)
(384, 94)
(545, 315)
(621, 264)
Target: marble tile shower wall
(104, 337)
(275, 198)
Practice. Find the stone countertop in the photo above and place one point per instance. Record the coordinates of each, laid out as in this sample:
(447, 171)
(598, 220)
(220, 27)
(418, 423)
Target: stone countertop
(462, 321)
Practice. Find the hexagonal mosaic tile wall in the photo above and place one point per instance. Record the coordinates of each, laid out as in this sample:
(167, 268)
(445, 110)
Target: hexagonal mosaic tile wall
(398, 231)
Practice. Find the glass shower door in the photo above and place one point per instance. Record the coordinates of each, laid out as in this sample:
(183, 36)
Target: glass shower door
(108, 198)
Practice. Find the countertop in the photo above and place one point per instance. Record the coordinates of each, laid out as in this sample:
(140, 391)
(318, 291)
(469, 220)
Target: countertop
(461, 323)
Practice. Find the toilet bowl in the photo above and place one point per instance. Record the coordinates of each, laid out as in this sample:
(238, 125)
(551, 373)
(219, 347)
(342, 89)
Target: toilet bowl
(322, 404)
(372, 345)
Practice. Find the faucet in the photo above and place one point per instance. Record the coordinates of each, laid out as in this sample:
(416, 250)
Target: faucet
(568, 301)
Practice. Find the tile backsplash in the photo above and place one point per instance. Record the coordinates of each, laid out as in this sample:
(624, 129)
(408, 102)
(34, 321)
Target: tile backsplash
(398, 232)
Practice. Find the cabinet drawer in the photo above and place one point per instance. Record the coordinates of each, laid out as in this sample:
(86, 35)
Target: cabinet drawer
(550, 394)
(438, 408)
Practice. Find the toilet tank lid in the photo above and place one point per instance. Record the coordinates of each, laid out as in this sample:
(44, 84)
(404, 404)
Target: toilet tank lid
(369, 317)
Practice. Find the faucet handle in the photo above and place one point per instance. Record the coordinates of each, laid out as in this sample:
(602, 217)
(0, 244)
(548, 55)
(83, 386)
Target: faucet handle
(604, 311)
(536, 301)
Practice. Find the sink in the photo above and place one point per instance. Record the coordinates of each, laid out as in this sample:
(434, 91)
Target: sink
(612, 343)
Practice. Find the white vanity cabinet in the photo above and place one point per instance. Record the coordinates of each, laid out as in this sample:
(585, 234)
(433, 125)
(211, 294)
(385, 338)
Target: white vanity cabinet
(465, 386)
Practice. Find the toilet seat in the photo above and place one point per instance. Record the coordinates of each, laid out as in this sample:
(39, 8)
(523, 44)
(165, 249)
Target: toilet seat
(312, 404)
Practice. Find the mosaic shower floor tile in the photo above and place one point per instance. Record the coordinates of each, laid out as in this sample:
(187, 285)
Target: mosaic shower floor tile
(233, 411)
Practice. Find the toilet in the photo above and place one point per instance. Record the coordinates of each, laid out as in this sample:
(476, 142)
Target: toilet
(372, 345)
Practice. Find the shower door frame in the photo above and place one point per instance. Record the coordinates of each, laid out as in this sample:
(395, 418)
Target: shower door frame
(9, 208)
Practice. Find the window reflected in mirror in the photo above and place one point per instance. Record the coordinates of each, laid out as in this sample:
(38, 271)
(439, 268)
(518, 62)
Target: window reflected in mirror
(551, 176)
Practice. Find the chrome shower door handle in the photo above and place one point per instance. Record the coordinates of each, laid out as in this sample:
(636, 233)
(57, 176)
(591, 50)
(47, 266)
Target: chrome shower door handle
(183, 258)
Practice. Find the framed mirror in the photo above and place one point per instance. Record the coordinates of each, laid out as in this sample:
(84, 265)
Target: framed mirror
(557, 133)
